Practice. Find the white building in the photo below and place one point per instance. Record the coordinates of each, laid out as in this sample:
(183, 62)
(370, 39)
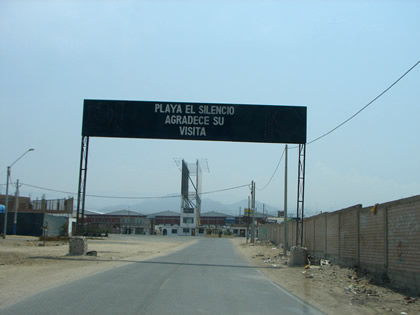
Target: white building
(189, 221)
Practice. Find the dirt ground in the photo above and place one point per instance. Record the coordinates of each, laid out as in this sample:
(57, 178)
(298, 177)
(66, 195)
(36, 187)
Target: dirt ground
(27, 267)
(332, 289)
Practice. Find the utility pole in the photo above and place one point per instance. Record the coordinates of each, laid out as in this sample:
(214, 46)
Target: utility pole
(263, 210)
(7, 193)
(6, 203)
(285, 245)
(253, 211)
(247, 221)
(16, 207)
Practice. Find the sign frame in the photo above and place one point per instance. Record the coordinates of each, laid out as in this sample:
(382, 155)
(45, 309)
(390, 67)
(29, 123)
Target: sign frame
(194, 121)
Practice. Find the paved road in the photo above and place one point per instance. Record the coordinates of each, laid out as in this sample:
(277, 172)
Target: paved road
(205, 278)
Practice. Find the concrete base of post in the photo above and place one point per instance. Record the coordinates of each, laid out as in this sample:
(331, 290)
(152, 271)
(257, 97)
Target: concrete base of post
(298, 256)
(78, 246)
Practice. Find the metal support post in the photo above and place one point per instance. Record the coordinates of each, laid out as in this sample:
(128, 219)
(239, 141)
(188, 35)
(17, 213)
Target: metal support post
(300, 193)
(285, 243)
(81, 193)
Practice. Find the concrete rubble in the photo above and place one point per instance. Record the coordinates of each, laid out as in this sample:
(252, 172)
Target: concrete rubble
(358, 286)
(78, 246)
(298, 256)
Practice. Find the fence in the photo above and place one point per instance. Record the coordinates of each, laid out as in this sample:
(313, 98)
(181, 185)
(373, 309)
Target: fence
(387, 241)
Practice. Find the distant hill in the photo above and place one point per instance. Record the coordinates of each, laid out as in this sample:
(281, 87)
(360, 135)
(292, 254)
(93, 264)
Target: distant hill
(174, 204)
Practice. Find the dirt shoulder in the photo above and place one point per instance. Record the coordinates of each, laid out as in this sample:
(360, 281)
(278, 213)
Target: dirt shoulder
(27, 268)
(332, 289)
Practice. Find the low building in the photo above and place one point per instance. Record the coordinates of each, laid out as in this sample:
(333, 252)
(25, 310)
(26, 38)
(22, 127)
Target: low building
(119, 222)
(165, 222)
(213, 218)
(274, 220)
(59, 207)
(38, 217)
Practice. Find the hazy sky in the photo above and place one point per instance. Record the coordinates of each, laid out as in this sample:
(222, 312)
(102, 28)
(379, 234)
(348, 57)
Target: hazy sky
(331, 56)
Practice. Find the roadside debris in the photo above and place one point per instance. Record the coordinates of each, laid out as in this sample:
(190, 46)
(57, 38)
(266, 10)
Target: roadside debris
(410, 299)
(351, 286)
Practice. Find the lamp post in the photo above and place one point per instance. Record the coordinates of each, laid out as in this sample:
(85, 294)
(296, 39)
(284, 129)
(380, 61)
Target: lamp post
(16, 207)
(7, 193)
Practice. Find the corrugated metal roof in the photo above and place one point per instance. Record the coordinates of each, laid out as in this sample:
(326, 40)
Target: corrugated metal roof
(87, 212)
(167, 213)
(126, 213)
(215, 214)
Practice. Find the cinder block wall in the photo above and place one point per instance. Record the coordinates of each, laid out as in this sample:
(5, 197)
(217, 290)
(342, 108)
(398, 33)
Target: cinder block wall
(348, 227)
(403, 242)
(385, 242)
(372, 240)
(318, 225)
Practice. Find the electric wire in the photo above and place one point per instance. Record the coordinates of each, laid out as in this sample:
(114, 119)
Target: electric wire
(49, 189)
(366, 106)
(347, 120)
(275, 171)
(278, 164)
(226, 189)
(124, 197)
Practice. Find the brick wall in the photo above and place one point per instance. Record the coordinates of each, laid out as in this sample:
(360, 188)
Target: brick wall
(333, 236)
(308, 230)
(318, 224)
(385, 242)
(372, 240)
(348, 227)
(404, 242)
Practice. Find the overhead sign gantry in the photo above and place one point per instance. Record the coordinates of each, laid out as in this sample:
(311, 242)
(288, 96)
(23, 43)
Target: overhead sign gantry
(191, 121)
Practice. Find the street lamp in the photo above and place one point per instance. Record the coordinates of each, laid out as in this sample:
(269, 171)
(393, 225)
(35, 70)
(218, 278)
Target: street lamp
(7, 192)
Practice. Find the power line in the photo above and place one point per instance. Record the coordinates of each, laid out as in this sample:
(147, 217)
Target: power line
(275, 171)
(366, 106)
(133, 198)
(278, 164)
(99, 196)
(220, 190)
(123, 197)
(347, 120)
(49, 189)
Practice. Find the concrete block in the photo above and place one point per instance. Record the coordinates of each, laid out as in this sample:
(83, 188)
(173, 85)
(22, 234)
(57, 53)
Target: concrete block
(78, 246)
(298, 256)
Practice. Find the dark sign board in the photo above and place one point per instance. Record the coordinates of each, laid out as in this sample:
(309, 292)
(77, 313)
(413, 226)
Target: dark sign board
(185, 180)
(194, 121)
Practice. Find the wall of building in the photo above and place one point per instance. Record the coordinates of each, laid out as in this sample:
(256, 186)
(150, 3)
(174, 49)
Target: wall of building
(167, 220)
(123, 224)
(56, 225)
(213, 221)
(385, 242)
(31, 224)
(24, 203)
(168, 230)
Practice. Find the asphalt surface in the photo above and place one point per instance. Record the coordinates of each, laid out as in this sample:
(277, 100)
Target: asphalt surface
(205, 278)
